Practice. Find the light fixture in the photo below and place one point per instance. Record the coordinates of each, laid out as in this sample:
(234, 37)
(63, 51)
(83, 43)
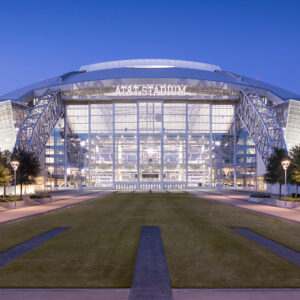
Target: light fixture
(15, 164)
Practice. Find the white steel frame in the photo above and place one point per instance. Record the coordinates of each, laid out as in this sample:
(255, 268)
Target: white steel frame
(260, 123)
(40, 122)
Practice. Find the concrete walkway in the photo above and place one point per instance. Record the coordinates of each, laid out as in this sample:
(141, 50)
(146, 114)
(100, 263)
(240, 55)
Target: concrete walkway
(122, 294)
(239, 199)
(61, 200)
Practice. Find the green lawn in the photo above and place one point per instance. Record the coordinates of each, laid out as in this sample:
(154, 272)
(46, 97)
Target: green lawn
(100, 248)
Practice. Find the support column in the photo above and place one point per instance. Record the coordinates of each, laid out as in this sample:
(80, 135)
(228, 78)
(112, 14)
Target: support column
(186, 145)
(162, 145)
(234, 147)
(210, 145)
(138, 146)
(89, 130)
(113, 141)
(65, 147)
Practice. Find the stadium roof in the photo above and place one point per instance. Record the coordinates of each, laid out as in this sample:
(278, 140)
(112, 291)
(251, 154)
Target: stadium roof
(150, 68)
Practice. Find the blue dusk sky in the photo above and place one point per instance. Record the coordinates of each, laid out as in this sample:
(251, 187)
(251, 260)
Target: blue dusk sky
(42, 39)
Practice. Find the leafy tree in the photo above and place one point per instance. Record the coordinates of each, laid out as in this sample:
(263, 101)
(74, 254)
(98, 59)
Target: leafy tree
(5, 157)
(29, 167)
(295, 167)
(5, 178)
(275, 171)
(5, 170)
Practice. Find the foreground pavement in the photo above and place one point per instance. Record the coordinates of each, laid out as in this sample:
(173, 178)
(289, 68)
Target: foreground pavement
(239, 199)
(60, 200)
(122, 294)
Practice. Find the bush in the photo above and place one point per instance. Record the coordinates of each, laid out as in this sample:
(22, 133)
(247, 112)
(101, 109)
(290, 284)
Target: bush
(7, 199)
(294, 195)
(258, 195)
(39, 196)
(290, 199)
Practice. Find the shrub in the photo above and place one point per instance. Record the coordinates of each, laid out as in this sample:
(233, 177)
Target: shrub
(258, 195)
(38, 196)
(7, 199)
(290, 199)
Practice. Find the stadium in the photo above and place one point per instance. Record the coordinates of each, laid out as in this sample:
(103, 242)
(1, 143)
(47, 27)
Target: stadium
(150, 124)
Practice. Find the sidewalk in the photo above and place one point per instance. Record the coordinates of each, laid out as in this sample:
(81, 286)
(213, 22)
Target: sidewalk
(60, 200)
(122, 294)
(238, 199)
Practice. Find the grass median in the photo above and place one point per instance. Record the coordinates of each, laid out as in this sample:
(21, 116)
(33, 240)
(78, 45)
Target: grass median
(201, 249)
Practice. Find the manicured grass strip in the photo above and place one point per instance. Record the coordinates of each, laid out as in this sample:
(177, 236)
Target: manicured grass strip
(150, 278)
(284, 252)
(13, 253)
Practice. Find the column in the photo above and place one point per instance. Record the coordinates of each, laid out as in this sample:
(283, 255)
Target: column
(210, 145)
(138, 146)
(234, 147)
(186, 145)
(65, 147)
(113, 141)
(162, 145)
(89, 130)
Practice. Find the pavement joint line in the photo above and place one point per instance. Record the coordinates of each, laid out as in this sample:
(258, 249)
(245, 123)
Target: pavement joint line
(245, 208)
(150, 277)
(19, 250)
(283, 251)
(52, 210)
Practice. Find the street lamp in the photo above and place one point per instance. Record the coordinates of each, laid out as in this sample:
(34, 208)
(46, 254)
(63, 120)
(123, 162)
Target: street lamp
(249, 181)
(285, 164)
(15, 164)
(51, 170)
(82, 144)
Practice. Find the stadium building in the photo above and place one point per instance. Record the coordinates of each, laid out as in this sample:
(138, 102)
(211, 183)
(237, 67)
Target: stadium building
(150, 124)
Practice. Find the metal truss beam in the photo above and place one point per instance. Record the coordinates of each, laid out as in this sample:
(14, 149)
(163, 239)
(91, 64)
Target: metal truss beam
(40, 122)
(260, 123)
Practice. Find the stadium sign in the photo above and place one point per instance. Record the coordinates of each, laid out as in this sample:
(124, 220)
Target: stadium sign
(151, 90)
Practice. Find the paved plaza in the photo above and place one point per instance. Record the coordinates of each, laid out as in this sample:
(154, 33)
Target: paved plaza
(239, 199)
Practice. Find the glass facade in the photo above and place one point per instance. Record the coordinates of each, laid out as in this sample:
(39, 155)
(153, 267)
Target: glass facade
(150, 145)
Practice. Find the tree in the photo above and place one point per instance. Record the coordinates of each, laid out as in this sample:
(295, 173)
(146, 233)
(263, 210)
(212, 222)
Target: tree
(5, 170)
(29, 167)
(295, 167)
(275, 171)
(5, 178)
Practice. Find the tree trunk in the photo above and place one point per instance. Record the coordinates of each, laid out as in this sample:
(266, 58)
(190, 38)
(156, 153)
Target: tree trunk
(4, 191)
(296, 194)
(21, 189)
(279, 190)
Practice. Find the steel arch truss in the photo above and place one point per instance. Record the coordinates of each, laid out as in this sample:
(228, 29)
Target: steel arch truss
(40, 122)
(260, 123)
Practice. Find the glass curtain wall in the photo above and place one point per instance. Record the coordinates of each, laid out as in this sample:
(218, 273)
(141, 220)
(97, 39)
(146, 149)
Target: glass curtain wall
(152, 145)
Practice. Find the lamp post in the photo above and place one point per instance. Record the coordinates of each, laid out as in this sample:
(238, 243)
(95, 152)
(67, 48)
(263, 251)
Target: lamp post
(249, 181)
(285, 164)
(51, 170)
(82, 144)
(15, 164)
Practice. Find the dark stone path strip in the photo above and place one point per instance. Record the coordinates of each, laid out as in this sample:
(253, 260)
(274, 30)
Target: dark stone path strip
(150, 278)
(15, 252)
(284, 252)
